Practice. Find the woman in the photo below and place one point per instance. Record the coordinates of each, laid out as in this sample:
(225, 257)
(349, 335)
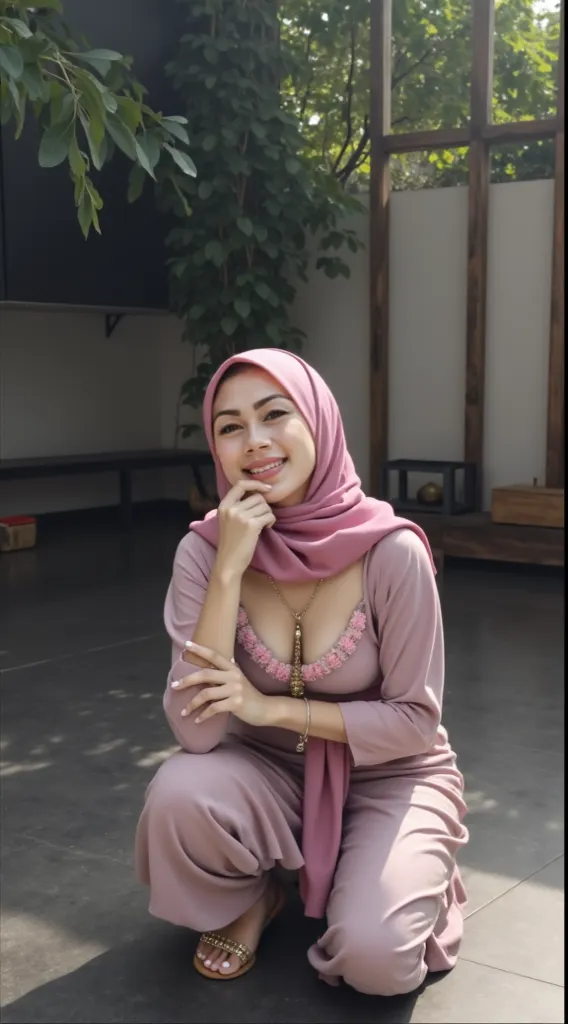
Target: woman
(306, 692)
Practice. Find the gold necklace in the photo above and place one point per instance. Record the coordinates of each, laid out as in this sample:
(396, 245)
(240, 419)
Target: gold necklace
(296, 681)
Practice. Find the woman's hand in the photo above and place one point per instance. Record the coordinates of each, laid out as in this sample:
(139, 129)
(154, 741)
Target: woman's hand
(243, 514)
(226, 689)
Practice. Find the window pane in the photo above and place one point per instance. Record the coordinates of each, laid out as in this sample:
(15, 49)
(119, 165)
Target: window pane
(439, 168)
(527, 36)
(431, 64)
(523, 161)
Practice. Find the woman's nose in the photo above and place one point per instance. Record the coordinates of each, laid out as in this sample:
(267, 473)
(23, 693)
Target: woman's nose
(256, 438)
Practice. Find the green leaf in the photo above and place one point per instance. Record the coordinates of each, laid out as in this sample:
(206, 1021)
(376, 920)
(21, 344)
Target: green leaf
(210, 81)
(122, 136)
(184, 162)
(259, 130)
(76, 159)
(149, 144)
(12, 61)
(20, 27)
(109, 55)
(136, 182)
(209, 143)
(215, 251)
(110, 101)
(85, 213)
(205, 190)
(142, 157)
(196, 312)
(246, 226)
(53, 147)
(129, 114)
(35, 84)
(242, 307)
(292, 166)
(175, 129)
(261, 232)
(229, 325)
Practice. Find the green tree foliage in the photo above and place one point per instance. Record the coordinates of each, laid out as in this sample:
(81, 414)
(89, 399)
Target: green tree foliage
(87, 103)
(327, 85)
(257, 202)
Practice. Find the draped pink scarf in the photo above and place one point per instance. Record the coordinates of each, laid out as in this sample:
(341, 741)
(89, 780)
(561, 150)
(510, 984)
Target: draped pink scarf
(335, 526)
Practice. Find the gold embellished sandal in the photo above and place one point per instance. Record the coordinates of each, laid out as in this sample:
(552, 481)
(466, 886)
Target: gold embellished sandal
(239, 949)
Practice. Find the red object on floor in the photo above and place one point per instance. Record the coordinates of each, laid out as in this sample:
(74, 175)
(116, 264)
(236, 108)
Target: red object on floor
(17, 520)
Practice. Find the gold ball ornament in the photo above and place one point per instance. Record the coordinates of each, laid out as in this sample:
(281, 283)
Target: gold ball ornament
(430, 494)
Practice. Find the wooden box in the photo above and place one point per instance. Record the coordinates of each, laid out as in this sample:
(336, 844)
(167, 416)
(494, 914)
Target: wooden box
(17, 533)
(526, 505)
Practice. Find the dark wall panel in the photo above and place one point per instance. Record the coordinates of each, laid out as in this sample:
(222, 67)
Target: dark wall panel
(46, 258)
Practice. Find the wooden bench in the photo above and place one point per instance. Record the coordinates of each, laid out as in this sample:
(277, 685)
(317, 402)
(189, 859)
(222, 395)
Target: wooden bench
(123, 463)
(475, 535)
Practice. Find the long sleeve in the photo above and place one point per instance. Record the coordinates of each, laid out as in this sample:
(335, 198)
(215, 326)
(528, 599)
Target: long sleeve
(193, 563)
(402, 591)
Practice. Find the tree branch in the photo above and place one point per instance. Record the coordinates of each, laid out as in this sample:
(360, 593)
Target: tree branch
(356, 158)
(348, 101)
(397, 79)
(304, 102)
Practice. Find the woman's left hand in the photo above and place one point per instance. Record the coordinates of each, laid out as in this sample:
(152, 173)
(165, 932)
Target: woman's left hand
(225, 689)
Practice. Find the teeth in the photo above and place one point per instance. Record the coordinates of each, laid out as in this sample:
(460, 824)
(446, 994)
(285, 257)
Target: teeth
(273, 465)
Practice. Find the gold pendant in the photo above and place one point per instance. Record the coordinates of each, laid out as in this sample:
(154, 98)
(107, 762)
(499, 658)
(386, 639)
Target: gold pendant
(296, 681)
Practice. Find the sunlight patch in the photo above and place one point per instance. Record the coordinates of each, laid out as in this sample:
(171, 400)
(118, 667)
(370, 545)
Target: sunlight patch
(151, 760)
(8, 768)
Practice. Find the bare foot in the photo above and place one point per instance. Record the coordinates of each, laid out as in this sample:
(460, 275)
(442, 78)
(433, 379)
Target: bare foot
(246, 929)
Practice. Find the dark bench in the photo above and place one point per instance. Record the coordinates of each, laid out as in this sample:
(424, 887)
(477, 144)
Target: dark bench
(123, 463)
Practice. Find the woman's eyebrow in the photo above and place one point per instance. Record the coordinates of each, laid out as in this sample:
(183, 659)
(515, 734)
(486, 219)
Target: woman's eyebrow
(257, 405)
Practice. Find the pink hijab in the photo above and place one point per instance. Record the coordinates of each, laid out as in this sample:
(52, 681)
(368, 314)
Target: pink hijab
(334, 527)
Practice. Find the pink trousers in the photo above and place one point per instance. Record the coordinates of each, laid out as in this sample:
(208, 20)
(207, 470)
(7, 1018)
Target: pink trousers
(214, 824)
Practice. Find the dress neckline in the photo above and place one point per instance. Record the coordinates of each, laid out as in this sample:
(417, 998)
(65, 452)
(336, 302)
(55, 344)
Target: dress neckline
(337, 655)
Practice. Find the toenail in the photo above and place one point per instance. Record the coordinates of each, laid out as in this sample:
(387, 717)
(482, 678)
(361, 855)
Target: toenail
(208, 963)
(225, 964)
(201, 956)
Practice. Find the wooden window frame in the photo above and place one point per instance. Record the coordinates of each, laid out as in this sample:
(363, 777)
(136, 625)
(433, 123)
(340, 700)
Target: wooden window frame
(479, 136)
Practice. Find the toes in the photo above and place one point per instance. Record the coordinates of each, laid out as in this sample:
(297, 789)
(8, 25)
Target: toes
(230, 965)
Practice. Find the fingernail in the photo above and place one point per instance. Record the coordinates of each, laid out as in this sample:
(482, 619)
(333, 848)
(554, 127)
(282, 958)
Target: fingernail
(188, 643)
(184, 713)
(176, 684)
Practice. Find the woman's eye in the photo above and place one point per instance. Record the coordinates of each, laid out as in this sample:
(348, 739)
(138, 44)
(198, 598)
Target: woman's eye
(229, 428)
(275, 414)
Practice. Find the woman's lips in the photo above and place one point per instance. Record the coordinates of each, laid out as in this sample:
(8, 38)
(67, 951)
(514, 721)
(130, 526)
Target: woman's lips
(267, 471)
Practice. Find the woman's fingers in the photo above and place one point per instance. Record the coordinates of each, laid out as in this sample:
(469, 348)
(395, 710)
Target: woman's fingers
(211, 656)
(243, 487)
(205, 675)
(266, 519)
(216, 707)
(211, 694)
(251, 503)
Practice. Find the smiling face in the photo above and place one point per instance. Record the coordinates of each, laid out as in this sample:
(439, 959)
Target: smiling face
(258, 432)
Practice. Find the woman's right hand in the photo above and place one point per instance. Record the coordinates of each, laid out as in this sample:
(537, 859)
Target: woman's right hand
(243, 514)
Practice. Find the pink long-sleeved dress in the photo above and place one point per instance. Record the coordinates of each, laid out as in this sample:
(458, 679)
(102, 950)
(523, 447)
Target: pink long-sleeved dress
(227, 808)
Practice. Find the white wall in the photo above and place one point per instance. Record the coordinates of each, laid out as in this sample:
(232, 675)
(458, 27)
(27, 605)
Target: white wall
(334, 313)
(518, 322)
(65, 388)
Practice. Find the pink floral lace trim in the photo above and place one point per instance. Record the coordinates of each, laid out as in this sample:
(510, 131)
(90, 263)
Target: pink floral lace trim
(331, 661)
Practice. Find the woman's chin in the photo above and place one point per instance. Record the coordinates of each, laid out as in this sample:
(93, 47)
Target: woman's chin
(285, 497)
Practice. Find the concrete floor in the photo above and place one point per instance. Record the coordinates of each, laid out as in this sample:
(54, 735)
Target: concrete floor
(84, 657)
